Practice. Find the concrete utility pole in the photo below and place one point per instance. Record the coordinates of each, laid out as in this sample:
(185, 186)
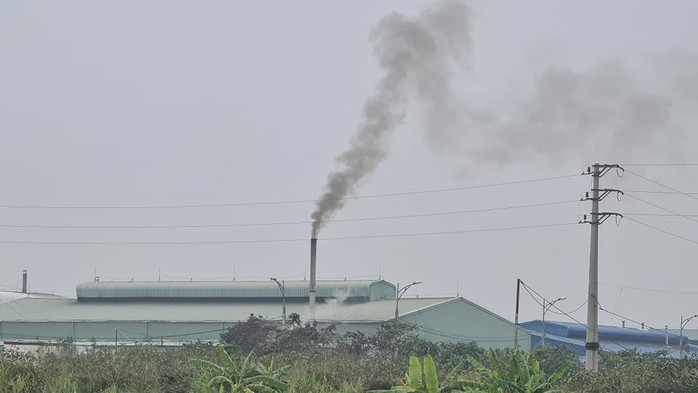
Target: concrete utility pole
(516, 315)
(592, 339)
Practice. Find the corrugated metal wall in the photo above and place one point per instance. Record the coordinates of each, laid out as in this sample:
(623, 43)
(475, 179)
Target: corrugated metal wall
(452, 321)
(176, 289)
(369, 290)
(111, 331)
(461, 321)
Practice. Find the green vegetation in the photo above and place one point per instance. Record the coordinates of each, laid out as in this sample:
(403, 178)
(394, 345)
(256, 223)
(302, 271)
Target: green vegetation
(137, 369)
(522, 374)
(247, 376)
(259, 356)
(631, 371)
(424, 379)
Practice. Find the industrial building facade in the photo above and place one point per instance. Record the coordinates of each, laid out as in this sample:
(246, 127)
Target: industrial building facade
(172, 313)
(611, 338)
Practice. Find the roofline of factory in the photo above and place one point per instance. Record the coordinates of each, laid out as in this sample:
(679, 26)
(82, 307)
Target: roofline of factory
(292, 290)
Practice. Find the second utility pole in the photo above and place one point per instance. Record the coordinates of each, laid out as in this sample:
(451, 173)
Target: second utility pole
(592, 336)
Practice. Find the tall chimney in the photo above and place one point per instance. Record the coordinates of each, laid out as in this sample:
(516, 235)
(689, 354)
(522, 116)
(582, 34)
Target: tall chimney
(313, 279)
(24, 281)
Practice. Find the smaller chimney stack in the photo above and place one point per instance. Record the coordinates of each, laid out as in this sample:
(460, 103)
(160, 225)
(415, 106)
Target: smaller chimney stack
(24, 281)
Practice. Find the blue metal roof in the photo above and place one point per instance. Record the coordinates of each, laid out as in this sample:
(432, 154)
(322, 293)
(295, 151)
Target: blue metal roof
(611, 338)
(575, 330)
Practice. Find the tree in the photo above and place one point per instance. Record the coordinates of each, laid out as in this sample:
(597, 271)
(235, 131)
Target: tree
(451, 355)
(256, 334)
(553, 358)
(401, 340)
(304, 338)
(356, 344)
(295, 319)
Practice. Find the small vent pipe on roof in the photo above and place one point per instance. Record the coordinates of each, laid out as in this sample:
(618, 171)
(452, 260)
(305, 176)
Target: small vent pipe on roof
(24, 281)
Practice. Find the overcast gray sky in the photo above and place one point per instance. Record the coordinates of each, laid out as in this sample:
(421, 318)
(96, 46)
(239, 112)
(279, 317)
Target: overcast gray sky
(161, 103)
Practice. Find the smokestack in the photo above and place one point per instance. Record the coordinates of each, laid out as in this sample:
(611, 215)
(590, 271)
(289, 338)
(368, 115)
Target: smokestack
(418, 55)
(313, 279)
(24, 281)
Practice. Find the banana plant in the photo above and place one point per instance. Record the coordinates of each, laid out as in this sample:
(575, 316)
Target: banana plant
(422, 378)
(523, 375)
(248, 377)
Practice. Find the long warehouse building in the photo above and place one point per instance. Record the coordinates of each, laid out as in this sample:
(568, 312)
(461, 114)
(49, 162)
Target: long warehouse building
(176, 312)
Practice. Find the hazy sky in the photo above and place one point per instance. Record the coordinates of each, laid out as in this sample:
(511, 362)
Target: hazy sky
(179, 103)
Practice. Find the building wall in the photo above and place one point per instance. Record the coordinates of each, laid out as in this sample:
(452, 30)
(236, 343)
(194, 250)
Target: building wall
(111, 331)
(460, 321)
(436, 324)
(367, 328)
(450, 320)
(691, 334)
(137, 331)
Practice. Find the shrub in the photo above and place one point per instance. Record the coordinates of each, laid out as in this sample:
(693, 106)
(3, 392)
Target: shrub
(246, 375)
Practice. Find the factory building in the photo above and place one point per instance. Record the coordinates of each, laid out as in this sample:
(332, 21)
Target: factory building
(172, 313)
(611, 338)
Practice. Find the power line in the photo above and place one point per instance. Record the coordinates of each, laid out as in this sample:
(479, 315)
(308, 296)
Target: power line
(637, 322)
(433, 214)
(659, 165)
(568, 315)
(657, 290)
(462, 338)
(529, 289)
(662, 208)
(287, 201)
(532, 296)
(544, 299)
(572, 311)
(660, 215)
(155, 338)
(663, 231)
(662, 185)
(660, 192)
(150, 338)
(296, 240)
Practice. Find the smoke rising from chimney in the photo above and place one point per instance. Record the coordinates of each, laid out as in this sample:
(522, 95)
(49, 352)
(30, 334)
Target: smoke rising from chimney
(417, 56)
(600, 113)
(608, 112)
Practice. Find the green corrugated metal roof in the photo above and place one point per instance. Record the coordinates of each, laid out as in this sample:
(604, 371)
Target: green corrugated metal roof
(66, 310)
(8, 296)
(373, 290)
